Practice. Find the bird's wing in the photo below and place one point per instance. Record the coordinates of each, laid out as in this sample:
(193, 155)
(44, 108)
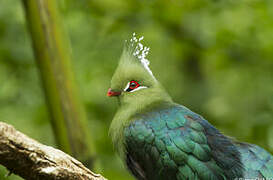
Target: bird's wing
(257, 161)
(179, 144)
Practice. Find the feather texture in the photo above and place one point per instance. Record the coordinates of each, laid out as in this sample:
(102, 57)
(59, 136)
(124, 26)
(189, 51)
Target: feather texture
(175, 143)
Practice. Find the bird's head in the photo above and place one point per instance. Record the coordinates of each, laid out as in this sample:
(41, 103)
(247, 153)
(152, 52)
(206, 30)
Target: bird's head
(133, 82)
(135, 86)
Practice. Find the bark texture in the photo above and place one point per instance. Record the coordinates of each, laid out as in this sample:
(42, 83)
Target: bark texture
(31, 160)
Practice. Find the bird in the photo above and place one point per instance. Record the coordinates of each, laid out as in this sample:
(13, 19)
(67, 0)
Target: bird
(158, 139)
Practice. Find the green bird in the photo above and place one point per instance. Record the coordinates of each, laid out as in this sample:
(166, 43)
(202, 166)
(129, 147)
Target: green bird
(159, 139)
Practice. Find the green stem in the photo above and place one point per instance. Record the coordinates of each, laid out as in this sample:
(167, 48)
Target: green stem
(53, 57)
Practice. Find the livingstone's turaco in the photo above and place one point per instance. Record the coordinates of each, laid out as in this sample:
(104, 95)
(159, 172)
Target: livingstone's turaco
(161, 140)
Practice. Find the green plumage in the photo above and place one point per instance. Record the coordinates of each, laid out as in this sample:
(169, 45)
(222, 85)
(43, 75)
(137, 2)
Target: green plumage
(159, 139)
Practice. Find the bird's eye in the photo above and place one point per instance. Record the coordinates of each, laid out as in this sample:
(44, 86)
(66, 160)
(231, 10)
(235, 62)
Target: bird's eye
(133, 85)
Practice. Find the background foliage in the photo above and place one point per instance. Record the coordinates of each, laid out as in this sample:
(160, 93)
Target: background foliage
(213, 56)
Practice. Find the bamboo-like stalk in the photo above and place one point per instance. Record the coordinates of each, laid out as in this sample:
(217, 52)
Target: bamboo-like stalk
(53, 57)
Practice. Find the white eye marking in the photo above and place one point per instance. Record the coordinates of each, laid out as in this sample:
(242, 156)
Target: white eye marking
(140, 87)
(127, 86)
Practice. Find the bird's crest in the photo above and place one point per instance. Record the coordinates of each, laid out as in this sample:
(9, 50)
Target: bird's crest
(139, 51)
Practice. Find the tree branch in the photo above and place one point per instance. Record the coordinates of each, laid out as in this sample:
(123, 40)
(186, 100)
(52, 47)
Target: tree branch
(31, 160)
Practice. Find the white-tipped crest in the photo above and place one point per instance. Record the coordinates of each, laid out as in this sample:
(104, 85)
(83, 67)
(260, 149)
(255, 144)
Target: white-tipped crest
(140, 52)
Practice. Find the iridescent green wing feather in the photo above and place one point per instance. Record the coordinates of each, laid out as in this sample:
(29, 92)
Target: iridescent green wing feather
(257, 162)
(175, 143)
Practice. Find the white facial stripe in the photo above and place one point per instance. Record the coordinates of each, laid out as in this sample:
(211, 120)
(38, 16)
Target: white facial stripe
(140, 87)
(127, 86)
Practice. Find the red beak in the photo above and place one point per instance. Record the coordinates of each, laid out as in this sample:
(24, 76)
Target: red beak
(111, 93)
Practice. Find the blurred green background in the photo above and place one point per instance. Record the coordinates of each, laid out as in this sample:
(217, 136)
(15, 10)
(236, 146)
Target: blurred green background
(213, 56)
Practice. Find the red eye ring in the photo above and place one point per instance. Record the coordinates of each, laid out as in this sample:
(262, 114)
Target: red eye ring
(133, 85)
